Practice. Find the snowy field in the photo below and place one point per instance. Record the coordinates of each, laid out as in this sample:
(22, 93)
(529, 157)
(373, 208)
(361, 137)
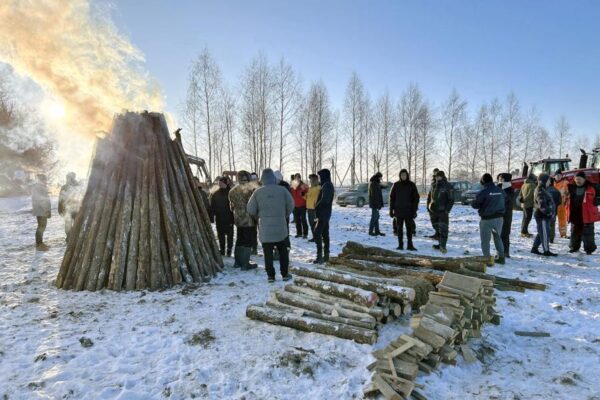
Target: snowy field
(195, 342)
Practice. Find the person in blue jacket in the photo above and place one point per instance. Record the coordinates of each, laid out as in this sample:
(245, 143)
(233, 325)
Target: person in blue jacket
(490, 204)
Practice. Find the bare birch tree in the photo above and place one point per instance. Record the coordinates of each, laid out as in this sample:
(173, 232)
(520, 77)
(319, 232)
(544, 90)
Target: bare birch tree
(562, 133)
(511, 123)
(287, 91)
(453, 121)
(383, 125)
(409, 108)
(352, 108)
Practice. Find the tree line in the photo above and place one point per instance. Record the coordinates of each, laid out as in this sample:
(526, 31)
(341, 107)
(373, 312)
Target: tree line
(271, 119)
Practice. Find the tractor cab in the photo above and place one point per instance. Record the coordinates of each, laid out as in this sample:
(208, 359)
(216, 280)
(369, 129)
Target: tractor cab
(595, 163)
(548, 166)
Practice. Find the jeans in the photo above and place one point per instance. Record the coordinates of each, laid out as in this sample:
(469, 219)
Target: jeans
(441, 222)
(374, 223)
(311, 221)
(41, 227)
(527, 214)
(284, 260)
(301, 223)
(491, 227)
(543, 234)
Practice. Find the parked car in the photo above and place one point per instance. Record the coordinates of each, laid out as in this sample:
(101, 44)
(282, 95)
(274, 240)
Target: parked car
(470, 194)
(358, 195)
(460, 188)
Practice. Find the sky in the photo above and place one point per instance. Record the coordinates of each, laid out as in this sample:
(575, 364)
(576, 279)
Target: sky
(546, 52)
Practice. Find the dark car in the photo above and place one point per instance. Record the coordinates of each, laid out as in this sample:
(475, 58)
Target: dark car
(358, 195)
(460, 188)
(470, 194)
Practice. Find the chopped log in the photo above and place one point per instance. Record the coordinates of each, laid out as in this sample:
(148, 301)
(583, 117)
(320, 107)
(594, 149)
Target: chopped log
(468, 354)
(428, 337)
(306, 303)
(532, 334)
(274, 303)
(504, 282)
(394, 292)
(374, 311)
(307, 324)
(439, 329)
(357, 295)
(385, 388)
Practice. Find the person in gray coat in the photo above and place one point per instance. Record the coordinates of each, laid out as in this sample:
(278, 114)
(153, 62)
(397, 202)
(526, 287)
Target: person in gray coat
(40, 208)
(272, 204)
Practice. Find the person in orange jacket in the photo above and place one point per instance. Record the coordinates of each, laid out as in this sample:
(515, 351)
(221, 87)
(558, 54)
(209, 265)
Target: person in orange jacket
(562, 185)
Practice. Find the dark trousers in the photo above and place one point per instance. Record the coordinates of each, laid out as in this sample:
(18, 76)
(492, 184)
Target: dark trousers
(552, 229)
(225, 236)
(505, 234)
(311, 221)
(543, 234)
(441, 222)
(246, 236)
(41, 227)
(374, 223)
(301, 222)
(322, 236)
(527, 214)
(432, 218)
(401, 222)
(583, 232)
(284, 260)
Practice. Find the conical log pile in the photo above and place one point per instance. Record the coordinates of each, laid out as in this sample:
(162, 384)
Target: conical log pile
(142, 223)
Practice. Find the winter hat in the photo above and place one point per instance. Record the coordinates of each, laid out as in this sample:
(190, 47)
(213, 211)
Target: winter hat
(278, 175)
(558, 171)
(243, 176)
(487, 178)
(268, 177)
(580, 174)
(440, 174)
(224, 179)
(505, 176)
(543, 179)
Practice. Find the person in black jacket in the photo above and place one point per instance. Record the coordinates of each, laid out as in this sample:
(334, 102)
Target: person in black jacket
(376, 204)
(442, 200)
(505, 183)
(221, 213)
(404, 203)
(490, 204)
(543, 207)
(435, 235)
(322, 216)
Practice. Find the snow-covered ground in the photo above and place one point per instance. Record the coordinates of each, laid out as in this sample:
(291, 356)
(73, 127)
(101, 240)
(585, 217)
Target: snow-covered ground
(195, 342)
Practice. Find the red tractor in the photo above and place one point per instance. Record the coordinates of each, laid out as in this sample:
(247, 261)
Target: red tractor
(551, 165)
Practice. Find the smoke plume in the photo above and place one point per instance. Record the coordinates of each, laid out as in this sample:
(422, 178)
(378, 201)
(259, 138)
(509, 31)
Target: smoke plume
(73, 50)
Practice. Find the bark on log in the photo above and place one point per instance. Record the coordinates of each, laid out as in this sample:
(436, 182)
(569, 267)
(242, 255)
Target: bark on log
(395, 292)
(307, 324)
(357, 295)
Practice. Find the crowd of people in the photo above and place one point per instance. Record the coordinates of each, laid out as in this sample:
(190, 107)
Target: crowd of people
(259, 209)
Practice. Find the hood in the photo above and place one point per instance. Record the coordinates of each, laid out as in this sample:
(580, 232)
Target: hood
(543, 180)
(404, 170)
(376, 178)
(268, 177)
(241, 175)
(531, 178)
(278, 175)
(324, 176)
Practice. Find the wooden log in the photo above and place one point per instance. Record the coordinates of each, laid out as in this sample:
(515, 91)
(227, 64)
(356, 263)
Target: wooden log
(383, 270)
(376, 312)
(402, 368)
(308, 324)
(143, 276)
(394, 292)
(532, 334)
(428, 337)
(440, 313)
(386, 390)
(132, 253)
(504, 282)
(307, 303)
(357, 295)
(439, 329)
(273, 302)
(157, 278)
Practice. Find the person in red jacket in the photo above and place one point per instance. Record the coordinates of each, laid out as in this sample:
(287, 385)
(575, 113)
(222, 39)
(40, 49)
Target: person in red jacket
(299, 190)
(582, 209)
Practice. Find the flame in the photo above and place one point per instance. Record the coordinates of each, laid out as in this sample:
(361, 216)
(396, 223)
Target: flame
(75, 53)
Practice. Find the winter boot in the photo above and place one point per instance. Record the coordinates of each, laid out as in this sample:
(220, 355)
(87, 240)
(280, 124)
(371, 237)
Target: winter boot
(245, 259)
(410, 245)
(287, 277)
(536, 251)
(319, 259)
(400, 245)
(380, 234)
(550, 254)
(229, 252)
(499, 260)
(42, 247)
(237, 256)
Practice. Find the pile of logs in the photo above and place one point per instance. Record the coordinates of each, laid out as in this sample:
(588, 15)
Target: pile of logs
(341, 301)
(455, 313)
(391, 263)
(142, 222)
